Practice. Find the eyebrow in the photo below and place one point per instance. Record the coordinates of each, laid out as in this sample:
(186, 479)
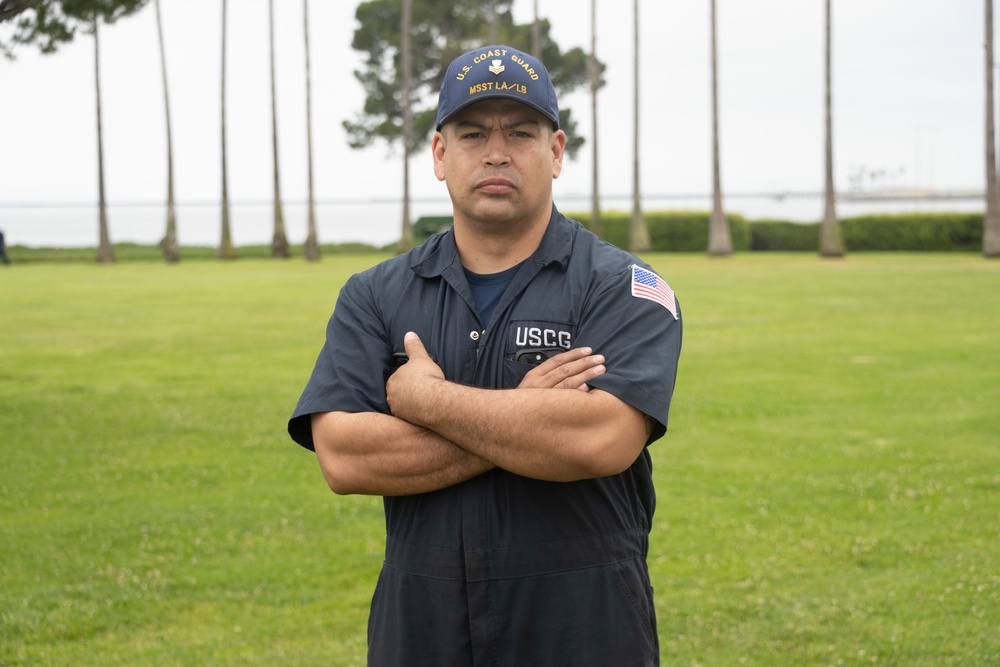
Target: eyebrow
(474, 124)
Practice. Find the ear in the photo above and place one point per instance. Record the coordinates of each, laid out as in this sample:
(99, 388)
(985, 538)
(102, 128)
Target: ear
(437, 150)
(558, 151)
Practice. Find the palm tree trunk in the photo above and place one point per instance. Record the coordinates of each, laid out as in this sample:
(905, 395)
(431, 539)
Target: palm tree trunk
(171, 251)
(226, 250)
(720, 242)
(536, 35)
(638, 232)
(494, 22)
(596, 223)
(312, 242)
(830, 242)
(279, 243)
(406, 235)
(991, 221)
(105, 252)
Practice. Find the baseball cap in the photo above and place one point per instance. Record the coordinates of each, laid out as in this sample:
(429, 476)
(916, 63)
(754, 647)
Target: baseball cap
(493, 72)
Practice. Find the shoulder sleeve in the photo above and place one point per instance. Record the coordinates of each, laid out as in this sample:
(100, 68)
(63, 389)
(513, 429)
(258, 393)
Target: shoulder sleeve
(640, 338)
(348, 375)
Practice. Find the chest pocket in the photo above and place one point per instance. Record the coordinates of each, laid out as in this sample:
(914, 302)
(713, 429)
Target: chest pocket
(530, 342)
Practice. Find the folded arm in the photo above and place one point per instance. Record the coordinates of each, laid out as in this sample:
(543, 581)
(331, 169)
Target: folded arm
(378, 454)
(557, 436)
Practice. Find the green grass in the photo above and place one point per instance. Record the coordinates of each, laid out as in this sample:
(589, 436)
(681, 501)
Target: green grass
(829, 491)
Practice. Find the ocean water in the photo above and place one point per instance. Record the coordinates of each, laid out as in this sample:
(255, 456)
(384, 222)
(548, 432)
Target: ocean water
(376, 222)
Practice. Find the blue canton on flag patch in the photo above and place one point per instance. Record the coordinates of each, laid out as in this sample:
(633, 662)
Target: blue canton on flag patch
(648, 285)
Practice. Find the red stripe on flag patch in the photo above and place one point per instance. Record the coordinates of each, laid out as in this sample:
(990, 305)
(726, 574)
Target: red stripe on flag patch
(648, 285)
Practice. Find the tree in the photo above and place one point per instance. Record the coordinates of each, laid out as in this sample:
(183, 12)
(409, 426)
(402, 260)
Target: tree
(720, 243)
(596, 223)
(11, 8)
(226, 249)
(105, 251)
(991, 221)
(312, 241)
(279, 243)
(53, 23)
(638, 237)
(536, 34)
(440, 32)
(406, 233)
(494, 23)
(830, 242)
(171, 251)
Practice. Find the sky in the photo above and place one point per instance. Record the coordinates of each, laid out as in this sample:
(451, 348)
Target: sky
(908, 100)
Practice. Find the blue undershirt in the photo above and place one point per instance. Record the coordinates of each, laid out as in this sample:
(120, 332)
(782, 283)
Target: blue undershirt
(488, 288)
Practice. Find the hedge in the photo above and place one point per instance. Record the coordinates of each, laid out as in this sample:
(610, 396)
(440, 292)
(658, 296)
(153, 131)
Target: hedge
(687, 231)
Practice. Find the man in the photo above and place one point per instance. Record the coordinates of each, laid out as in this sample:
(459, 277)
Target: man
(498, 386)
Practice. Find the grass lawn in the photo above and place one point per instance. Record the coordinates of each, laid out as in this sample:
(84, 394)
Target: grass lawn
(829, 491)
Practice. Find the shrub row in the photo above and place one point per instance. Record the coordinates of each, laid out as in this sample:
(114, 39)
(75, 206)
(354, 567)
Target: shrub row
(669, 231)
(687, 231)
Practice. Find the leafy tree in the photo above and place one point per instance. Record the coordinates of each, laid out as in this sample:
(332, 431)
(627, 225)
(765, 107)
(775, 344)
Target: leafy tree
(441, 30)
(831, 244)
(991, 221)
(720, 243)
(50, 23)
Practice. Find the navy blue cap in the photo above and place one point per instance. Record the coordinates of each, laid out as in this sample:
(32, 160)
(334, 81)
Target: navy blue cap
(494, 72)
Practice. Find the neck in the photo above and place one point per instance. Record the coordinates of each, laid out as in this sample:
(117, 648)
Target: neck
(491, 248)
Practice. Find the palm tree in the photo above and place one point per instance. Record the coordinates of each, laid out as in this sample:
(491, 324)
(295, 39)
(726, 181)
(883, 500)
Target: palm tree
(494, 22)
(105, 252)
(596, 223)
(406, 236)
(720, 243)
(279, 243)
(991, 221)
(536, 35)
(171, 251)
(830, 242)
(226, 249)
(312, 242)
(638, 231)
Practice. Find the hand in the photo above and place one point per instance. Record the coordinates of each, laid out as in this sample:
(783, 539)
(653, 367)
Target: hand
(404, 387)
(568, 370)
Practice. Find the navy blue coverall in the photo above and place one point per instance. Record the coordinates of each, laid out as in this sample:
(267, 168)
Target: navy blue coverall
(503, 569)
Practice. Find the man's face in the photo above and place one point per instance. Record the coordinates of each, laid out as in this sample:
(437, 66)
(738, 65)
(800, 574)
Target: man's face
(498, 158)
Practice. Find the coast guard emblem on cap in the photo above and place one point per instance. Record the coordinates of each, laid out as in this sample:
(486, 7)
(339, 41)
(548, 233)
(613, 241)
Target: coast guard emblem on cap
(497, 67)
(648, 285)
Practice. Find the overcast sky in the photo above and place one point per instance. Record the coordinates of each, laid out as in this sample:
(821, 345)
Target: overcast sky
(907, 85)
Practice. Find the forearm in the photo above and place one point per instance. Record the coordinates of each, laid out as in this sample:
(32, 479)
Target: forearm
(377, 454)
(551, 435)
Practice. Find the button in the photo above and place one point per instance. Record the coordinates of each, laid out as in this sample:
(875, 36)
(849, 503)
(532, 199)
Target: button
(474, 335)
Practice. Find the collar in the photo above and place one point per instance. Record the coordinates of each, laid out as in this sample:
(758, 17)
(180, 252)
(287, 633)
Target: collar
(439, 255)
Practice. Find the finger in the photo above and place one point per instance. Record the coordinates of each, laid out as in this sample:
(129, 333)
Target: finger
(579, 381)
(414, 346)
(558, 360)
(578, 367)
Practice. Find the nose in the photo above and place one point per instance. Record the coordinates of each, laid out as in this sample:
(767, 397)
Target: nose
(496, 150)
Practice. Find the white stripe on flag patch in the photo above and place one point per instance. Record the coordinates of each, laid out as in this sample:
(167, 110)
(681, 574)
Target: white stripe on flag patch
(648, 285)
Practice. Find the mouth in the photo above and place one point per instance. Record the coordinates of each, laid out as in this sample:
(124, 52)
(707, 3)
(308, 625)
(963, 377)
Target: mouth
(495, 186)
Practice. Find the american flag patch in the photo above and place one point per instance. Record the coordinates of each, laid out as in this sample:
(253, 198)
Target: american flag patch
(648, 285)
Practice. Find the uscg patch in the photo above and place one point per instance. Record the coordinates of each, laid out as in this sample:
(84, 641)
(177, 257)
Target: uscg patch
(537, 334)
